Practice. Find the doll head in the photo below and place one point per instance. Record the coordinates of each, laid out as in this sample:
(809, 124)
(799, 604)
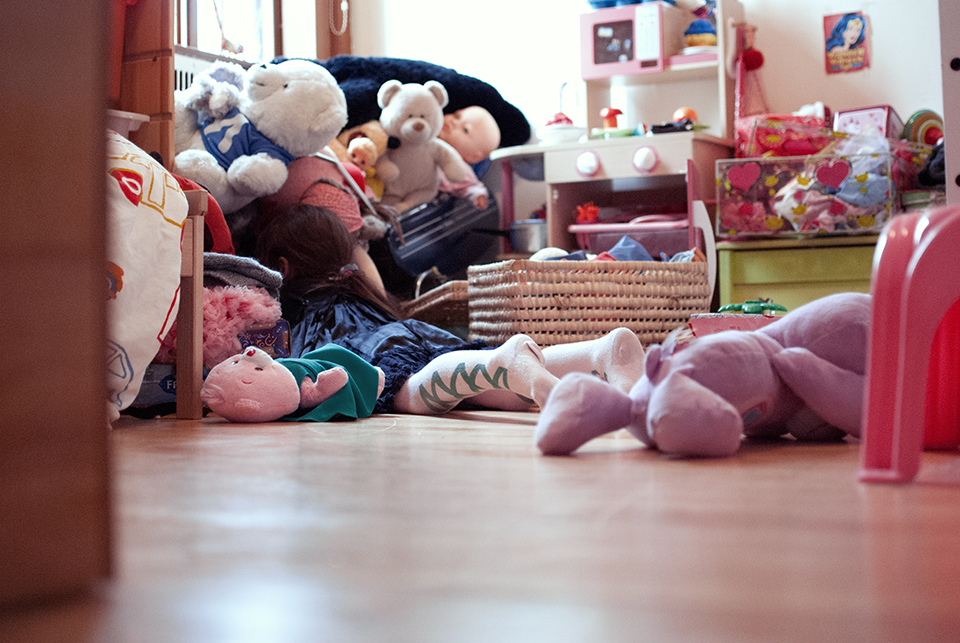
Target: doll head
(251, 387)
(472, 131)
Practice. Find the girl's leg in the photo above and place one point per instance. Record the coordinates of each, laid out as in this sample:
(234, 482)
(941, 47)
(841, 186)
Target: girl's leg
(616, 357)
(516, 366)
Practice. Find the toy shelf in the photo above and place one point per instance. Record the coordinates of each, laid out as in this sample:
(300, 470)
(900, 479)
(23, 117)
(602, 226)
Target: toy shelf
(658, 59)
(676, 69)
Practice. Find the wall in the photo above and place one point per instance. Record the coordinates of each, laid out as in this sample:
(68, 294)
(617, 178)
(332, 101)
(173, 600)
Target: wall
(528, 48)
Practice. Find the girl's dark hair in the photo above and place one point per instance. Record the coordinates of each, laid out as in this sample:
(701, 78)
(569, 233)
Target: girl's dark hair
(317, 247)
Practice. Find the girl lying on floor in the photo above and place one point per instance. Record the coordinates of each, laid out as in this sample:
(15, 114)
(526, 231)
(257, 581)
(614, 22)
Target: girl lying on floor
(426, 370)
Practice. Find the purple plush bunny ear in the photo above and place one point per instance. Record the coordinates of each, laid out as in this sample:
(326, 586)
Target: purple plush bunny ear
(657, 354)
(651, 362)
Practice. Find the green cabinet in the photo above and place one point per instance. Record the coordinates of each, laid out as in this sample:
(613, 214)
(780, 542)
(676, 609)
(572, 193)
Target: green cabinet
(793, 272)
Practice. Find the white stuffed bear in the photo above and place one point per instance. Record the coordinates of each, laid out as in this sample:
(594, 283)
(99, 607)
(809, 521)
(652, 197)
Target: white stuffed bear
(413, 113)
(238, 145)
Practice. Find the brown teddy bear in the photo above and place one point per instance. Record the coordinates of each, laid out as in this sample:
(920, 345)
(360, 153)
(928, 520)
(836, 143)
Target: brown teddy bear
(363, 145)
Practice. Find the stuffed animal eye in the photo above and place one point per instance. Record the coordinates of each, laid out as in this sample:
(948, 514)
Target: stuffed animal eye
(285, 85)
(259, 368)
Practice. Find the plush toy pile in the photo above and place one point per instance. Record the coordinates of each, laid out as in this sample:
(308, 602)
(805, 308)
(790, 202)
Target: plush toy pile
(360, 78)
(802, 376)
(235, 132)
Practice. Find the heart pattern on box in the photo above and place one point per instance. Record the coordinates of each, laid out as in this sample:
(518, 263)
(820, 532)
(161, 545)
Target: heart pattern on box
(744, 176)
(837, 208)
(833, 174)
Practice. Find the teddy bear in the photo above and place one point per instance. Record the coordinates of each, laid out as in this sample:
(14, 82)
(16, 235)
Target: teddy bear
(413, 113)
(238, 144)
(329, 382)
(363, 146)
(802, 375)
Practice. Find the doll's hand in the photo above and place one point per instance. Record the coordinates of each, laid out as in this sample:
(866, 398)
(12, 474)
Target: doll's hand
(328, 382)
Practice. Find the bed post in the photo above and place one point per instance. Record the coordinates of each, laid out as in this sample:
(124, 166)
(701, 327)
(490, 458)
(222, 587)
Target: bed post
(190, 314)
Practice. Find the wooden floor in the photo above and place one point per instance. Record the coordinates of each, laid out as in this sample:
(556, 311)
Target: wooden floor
(401, 528)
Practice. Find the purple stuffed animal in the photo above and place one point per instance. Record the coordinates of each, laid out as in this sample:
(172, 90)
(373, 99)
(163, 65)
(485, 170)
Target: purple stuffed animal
(802, 375)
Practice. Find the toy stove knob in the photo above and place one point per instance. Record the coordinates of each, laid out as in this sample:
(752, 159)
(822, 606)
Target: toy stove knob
(588, 164)
(645, 160)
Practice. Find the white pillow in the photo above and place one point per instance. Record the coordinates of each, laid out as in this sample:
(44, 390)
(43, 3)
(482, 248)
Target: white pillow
(146, 210)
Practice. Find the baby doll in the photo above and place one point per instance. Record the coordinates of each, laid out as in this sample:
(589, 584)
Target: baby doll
(474, 134)
(327, 383)
(472, 131)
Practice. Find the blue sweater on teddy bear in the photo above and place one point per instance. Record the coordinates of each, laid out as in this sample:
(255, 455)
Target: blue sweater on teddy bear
(233, 136)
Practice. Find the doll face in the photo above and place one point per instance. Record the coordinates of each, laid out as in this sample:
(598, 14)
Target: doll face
(250, 387)
(472, 131)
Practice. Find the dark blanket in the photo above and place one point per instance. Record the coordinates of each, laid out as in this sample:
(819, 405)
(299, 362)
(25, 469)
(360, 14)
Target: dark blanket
(360, 78)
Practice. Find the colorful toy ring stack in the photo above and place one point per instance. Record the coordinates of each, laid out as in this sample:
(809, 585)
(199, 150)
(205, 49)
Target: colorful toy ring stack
(923, 126)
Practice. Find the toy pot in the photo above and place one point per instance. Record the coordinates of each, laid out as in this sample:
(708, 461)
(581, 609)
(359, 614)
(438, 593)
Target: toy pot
(526, 237)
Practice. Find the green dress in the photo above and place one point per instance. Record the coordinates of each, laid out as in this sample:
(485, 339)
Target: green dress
(355, 400)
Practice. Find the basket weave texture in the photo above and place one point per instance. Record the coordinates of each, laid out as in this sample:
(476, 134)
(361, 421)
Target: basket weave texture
(445, 305)
(558, 302)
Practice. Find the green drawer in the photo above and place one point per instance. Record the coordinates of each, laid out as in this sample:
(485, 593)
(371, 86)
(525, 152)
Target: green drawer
(792, 276)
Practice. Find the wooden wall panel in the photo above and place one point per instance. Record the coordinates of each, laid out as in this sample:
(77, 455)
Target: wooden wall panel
(54, 473)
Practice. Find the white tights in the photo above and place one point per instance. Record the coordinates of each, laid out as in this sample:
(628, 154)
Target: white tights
(517, 373)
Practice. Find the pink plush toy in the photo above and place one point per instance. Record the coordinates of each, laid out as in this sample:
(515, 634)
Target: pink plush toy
(802, 375)
(323, 384)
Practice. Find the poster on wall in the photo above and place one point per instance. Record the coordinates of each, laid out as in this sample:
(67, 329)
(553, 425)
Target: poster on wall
(846, 39)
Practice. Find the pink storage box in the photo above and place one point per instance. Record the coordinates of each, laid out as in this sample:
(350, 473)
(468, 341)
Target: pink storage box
(781, 138)
(656, 233)
(803, 196)
(709, 323)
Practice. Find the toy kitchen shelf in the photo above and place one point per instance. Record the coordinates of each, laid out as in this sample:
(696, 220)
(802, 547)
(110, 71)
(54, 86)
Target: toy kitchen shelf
(637, 169)
(626, 49)
(615, 172)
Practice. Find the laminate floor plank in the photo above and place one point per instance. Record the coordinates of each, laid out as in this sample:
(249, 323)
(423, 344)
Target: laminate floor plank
(405, 528)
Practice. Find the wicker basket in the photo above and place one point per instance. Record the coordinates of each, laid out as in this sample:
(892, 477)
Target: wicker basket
(445, 305)
(557, 302)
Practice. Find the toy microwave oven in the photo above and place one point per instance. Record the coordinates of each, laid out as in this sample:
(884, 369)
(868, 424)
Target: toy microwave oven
(632, 39)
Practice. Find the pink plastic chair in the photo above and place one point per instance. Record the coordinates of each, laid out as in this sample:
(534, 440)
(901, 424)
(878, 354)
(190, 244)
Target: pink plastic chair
(913, 360)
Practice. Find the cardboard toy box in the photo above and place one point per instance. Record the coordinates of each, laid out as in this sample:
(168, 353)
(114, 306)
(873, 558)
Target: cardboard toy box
(803, 196)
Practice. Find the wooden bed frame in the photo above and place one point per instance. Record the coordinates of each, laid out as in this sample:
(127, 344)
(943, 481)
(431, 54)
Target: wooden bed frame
(190, 313)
